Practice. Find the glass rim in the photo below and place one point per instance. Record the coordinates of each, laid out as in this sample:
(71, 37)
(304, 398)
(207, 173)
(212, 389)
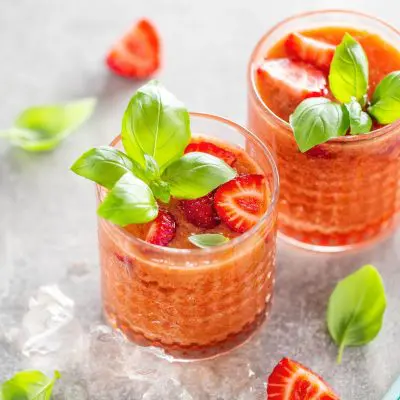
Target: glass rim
(233, 242)
(251, 74)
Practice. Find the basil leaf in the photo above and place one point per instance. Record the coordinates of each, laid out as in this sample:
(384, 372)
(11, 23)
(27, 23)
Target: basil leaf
(348, 75)
(196, 174)
(161, 190)
(130, 201)
(155, 123)
(28, 385)
(42, 128)
(316, 120)
(208, 240)
(356, 308)
(360, 121)
(106, 165)
(385, 106)
(151, 169)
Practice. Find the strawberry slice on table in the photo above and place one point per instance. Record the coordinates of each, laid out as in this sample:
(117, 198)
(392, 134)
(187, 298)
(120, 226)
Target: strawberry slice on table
(137, 54)
(200, 212)
(290, 82)
(214, 150)
(292, 381)
(312, 51)
(241, 202)
(162, 229)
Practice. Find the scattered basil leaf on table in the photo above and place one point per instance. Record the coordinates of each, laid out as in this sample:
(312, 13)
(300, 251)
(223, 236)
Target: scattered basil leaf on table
(155, 123)
(161, 190)
(28, 385)
(106, 165)
(385, 106)
(208, 240)
(348, 75)
(42, 128)
(196, 174)
(360, 121)
(316, 120)
(130, 201)
(356, 308)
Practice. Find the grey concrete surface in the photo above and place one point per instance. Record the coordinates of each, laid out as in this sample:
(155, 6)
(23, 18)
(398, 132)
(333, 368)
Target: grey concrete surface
(53, 50)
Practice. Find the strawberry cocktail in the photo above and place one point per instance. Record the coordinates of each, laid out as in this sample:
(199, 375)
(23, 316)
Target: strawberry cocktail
(186, 229)
(324, 92)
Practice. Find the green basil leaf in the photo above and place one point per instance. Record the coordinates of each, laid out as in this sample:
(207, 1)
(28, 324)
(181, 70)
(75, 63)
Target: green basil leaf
(105, 165)
(356, 308)
(385, 107)
(151, 169)
(360, 121)
(196, 174)
(208, 240)
(28, 385)
(316, 120)
(161, 190)
(348, 76)
(157, 124)
(42, 128)
(130, 201)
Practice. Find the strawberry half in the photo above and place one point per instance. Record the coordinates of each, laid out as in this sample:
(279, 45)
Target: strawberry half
(292, 381)
(200, 212)
(241, 202)
(312, 51)
(290, 82)
(162, 229)
(137, 54)
(214, 150)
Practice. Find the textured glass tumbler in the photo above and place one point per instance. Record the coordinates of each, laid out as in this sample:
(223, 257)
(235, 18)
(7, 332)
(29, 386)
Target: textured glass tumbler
(341, 194)
(193, 303)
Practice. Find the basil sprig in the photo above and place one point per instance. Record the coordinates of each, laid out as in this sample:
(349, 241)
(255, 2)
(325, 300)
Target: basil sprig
(356, 308)
(28, 385)
(316, 120)
(155, 133)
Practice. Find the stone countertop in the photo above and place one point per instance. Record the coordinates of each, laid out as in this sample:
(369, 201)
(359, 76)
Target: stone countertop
(53, 51)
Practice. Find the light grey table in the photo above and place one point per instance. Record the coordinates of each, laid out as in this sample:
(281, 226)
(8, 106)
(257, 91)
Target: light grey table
(53, 50)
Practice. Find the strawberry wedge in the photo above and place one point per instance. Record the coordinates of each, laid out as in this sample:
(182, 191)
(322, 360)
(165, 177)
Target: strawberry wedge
(312, 51)
(241, 202)
(292, 381)
(291, 82)
(214, 150)
(137, 54)
(162, 229)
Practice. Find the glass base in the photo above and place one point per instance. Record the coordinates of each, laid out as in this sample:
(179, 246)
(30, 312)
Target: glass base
(338, 248)
(177, 353)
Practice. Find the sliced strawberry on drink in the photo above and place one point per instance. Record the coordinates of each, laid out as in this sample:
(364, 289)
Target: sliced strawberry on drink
(292, 381)
(312, 51)
(200, 212)
(241, 202)
(290, 82)
(214, 150)
(137, 54)
(162, 229)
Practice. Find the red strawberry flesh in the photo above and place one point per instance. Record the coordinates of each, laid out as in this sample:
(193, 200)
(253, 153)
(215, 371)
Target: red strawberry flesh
(214, 150)
(292, 381)
(200, 212)
(241, 202)
(291, 82)
(162, 229)
(312, 51)
(137, 54)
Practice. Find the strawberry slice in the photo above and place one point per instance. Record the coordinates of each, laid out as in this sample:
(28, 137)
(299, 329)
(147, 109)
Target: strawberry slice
(290, 82)
(292, 381)
(241, 202)
(200, 212)
(214, 150)
(137, 54)
(162, 229)
(312, 51)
